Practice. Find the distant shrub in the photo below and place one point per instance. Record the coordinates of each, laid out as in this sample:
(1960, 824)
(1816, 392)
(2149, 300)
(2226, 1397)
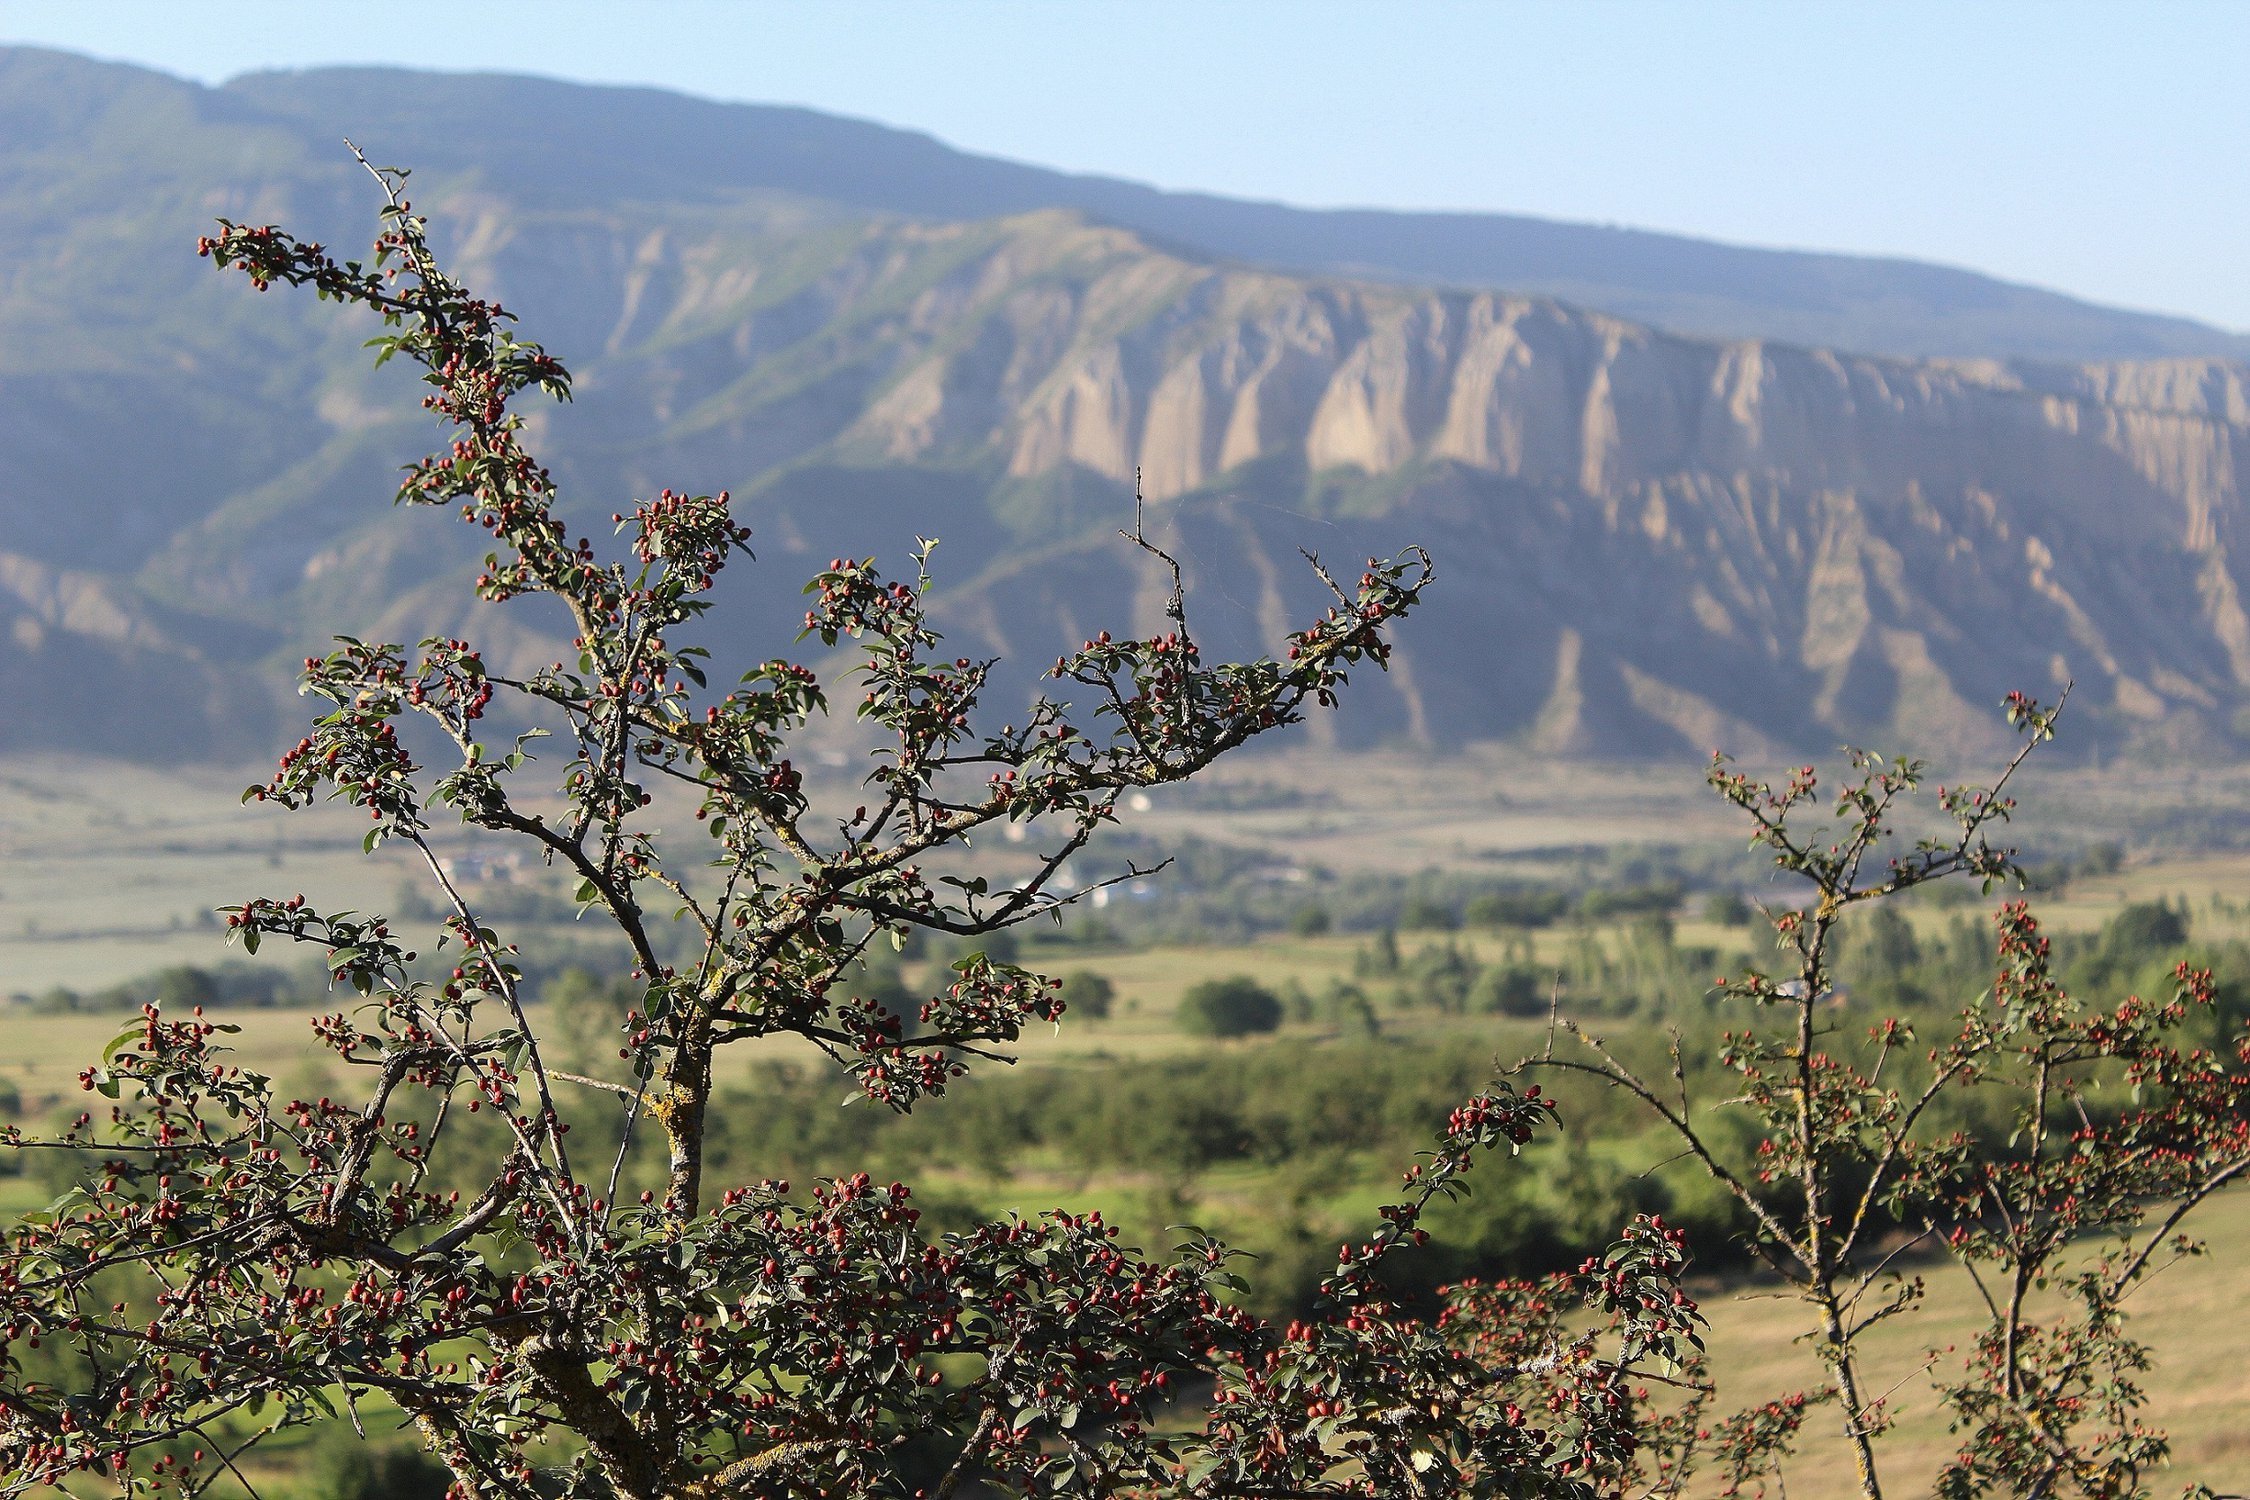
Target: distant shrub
(1515, 908)
(59, 1000)
(1727, 909)
(1632, 900)
(1439, 978)
(1379, 957)
(1235, 1006)
(183, 988)
(588, 1012)
(1654, 928)
(2144, 929)
(1422, 913)
(345, 1466)
(1887, 941)
(1509, 990)
(1088, 995)
(2101, 859)
(178, 989)
(1310, 921)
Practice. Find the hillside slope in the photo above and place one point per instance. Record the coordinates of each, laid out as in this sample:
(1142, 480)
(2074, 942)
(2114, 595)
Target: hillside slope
(574, 144)
(562, 145)
(1647, 542)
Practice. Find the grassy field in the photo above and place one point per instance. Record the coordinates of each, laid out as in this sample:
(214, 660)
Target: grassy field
(43, 1054)
(111, 871)
(108, 871)
(2196, 1387)
(2188, 1315)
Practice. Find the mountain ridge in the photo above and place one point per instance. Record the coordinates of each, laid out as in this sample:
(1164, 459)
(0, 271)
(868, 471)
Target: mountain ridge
(1884, 304)
(616, 139)
(1648, 543)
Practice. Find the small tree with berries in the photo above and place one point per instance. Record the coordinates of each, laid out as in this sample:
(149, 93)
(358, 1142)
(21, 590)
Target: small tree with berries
(448, 1249)
(2113, 1124)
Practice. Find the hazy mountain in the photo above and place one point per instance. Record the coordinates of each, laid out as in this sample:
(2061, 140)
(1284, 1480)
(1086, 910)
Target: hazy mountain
(570, 145)
(1647, 542)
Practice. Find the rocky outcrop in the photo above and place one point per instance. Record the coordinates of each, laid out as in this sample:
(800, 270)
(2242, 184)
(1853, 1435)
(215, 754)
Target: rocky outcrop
(1694, 540)
(88, 665)
(1646, 543)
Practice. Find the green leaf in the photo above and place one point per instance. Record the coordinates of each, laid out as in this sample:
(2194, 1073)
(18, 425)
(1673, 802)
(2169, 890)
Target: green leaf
(1200, 1466)
(117, 1042)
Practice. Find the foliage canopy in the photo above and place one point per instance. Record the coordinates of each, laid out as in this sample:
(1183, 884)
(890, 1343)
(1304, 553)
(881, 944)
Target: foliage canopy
(476, 1238)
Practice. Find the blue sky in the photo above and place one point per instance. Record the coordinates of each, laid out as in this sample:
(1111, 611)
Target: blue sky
(2102, 150)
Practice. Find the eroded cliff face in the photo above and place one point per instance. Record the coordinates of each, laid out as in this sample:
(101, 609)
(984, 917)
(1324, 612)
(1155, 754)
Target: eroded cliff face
(88, 665)
(1645, 543)
(1645, 539)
